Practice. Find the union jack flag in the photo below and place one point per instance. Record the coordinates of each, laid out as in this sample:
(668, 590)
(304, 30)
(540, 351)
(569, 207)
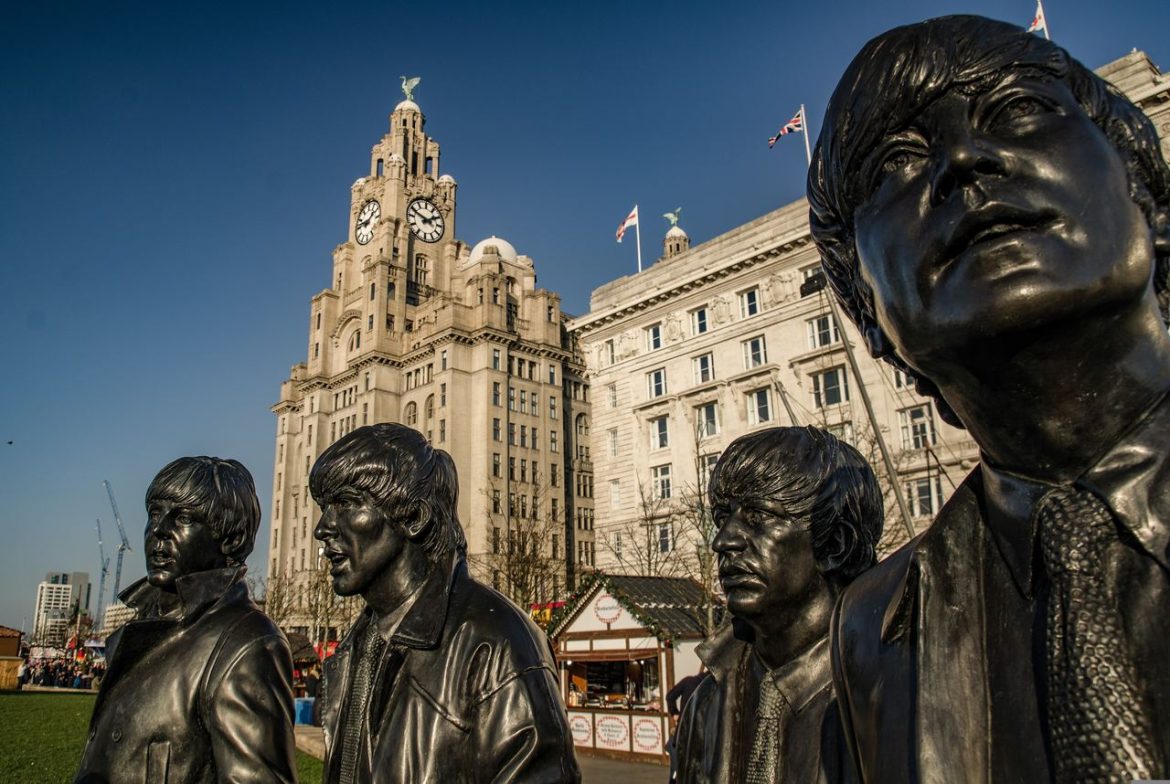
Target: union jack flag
(792, 126)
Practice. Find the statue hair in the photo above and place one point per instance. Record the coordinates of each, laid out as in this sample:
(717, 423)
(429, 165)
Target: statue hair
(813, 475)
(397, 467)
(222, 491)
(899, 73)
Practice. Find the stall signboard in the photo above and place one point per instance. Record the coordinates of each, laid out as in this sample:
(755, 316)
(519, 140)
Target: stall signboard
(607, 608)
(581, 726)
(647, 734)
(613, 732)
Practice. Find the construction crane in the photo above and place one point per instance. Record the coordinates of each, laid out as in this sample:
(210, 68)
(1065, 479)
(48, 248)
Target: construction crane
(125, 544)
(101, 605)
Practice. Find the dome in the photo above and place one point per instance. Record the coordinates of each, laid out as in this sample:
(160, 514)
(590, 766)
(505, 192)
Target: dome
(503, 247)
(408, 104)
(445, 178)
(675, 231)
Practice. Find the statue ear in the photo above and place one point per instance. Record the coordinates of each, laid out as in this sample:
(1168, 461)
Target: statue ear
(836, 551)
(1161, 228)
(420, 520)
(232, 544)
(875, 340)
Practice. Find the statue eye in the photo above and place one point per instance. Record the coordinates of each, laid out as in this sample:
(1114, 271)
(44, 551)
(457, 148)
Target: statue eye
(897, 156)
(1018, 107)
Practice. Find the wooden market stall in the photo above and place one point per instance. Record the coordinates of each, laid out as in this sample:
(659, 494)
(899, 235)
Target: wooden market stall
(621, 645)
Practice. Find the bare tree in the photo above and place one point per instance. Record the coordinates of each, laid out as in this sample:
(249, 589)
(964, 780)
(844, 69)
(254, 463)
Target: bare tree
(324, 610)
(526, 557)
(276, 593)
(645, 544)
(696, 524)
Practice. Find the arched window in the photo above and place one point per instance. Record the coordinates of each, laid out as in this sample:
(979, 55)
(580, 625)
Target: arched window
(411, 414)
(430, 407)
(355, 340)
(582, 425)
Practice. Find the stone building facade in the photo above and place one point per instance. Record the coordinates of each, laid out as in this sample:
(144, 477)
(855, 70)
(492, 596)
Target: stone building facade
(737, 334)
(455, 341)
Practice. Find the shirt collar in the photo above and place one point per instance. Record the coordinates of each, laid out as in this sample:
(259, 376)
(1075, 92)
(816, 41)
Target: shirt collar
(804, 677)
(799, 680)
(1131, 479)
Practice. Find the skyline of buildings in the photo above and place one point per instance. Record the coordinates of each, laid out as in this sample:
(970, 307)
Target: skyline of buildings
(59, 595)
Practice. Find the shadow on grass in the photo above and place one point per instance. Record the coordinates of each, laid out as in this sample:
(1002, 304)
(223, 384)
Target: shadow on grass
(44, 734)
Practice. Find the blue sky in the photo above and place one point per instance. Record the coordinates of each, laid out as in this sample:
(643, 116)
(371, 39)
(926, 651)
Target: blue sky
(174, 177)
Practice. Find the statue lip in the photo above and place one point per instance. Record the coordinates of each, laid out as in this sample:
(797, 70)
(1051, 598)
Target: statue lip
(992, 222)
(737, 575)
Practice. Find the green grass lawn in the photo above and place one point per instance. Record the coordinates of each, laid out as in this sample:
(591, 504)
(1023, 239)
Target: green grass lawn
(44, 733)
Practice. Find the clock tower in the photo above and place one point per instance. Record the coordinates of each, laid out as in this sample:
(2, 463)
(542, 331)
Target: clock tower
(459, 343)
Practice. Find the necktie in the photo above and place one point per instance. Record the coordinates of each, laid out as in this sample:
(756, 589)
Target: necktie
(369, 653)
(761, 768)
(1099, 729)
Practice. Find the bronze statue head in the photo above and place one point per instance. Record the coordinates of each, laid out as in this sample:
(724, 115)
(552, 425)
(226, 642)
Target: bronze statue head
(202, 514)
(792, 505)
(382, 489)
(973, 182)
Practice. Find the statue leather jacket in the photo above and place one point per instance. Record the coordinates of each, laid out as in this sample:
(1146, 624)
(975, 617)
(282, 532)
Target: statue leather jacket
(465, 691)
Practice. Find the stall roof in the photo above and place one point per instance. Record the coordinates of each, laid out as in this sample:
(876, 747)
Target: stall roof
(673, 607)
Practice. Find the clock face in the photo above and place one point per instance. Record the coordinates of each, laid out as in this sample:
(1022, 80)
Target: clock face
(366, 219)
(425, 220)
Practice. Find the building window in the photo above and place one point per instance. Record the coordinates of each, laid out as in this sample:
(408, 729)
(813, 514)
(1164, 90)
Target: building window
(582, 426)
(615, 494)
(901, 380)
(609, 353)
(842, 430)
(524, 436)
(656, 382)
(554, 475)
(355, 340)
(552, 375)
(659, 433)
(699, 321)
(917, 427)
(442, 395)
(653, 337)
(512, 434)
(707, 420)
(511, 398)
(924, 496)
(430, 407)
(443, 360)
(412, 414)
(496, 464)
(660, 482)
(318, 321)
(613, 442)
(707, 468)
(823, 331)
(617, 545)
(665, 538)
(830, 387)
(704, 366)
(759, 406)
(373, 288)
(495, 393)
(495, 359)
(755, 353)
(496, 429)
(749, 302)
(552, 440)
(524, 402)
(365, 417)
(611, 395)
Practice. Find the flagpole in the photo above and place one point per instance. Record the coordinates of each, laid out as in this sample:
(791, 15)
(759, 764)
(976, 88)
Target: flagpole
(804, 130)
(1044, 18)
(638, 236)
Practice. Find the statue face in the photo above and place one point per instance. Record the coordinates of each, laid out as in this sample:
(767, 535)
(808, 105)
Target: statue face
(361, 541)
(179, 542)
(765, 557)
(995, 213)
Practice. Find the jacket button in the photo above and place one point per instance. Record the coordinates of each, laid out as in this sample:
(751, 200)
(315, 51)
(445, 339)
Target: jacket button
(116, 735)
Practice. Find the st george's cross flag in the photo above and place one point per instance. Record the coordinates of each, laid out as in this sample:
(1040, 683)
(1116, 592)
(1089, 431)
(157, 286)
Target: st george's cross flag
(631, 220)
(792, 126)
(1038, 21)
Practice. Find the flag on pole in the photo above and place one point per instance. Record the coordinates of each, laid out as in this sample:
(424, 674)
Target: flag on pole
(1038, 21)
(631, 220)
(792, 126)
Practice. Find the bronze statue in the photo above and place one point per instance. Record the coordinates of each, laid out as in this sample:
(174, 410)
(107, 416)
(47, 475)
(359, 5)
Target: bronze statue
(199, 686)
(441, 679)
(996, 220)
(798, 516)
